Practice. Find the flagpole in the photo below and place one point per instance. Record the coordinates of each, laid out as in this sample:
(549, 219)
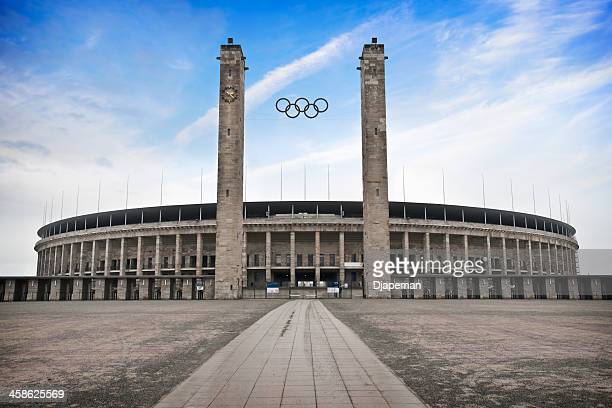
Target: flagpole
(76, 211)
(328, 193)
(62, 206)
(404, 182)
(443, 188)
(99, 189)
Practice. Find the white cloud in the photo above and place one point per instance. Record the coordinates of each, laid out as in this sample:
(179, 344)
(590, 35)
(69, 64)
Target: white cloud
(181, 65)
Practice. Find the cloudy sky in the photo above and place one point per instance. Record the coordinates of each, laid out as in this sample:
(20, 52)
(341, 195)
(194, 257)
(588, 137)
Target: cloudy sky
(95, 91)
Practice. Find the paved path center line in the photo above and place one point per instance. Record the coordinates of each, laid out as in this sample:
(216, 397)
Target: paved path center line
(297, 355)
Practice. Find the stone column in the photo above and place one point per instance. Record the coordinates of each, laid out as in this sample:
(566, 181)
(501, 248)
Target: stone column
(504, 256)
(107, 258)
(61, 268)
(466, 243)
(55, 289)
(557, 259)
(71, 263)
(187, 289)
(484, 287)
(55, 261)
(122, 262)
(81, 258)
(549, 258)
(376, 245)
(317, 258)
(541, 258)
(100, 285)
(157, 255)
(572, 286)
(77, 289)
(418, 291)
(121, 287)
(440, 288)
(427, 248)
(32, 289)
(528, 288)
(93, 258)
(551, 290)
(165, 288)
(143, 290)
(447, 247)
(518, 257)
(177, 255)
(530, 257)
(244, 259)
(292, 256)
(563, 259)
(230, 165)
(341, 256)
(505, 287)
(139, 256)
(406, 244)
(268, 259)
(462, 288)
(489, 261)
(49, 262)
(198, 254)
(596, 288)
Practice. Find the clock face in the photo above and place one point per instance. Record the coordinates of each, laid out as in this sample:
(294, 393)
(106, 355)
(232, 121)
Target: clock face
(229, 94)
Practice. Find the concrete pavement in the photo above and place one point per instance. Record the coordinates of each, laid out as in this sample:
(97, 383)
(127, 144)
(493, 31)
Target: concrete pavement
(298, 355)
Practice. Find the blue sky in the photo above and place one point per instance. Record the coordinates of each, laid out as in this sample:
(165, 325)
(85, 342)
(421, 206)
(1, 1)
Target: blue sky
(95, 91)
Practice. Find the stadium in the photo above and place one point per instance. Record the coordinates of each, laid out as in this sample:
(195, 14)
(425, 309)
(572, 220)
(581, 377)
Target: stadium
(233, 249)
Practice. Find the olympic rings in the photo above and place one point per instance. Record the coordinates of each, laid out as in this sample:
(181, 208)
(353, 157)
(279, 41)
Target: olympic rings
(301, 105)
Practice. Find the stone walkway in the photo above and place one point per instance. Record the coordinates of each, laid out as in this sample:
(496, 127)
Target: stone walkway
(298, 355)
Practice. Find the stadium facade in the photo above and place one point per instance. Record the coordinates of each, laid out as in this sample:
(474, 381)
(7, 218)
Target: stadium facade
(235, 249)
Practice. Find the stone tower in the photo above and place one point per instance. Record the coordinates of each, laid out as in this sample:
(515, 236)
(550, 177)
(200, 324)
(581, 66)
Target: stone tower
(374, 164)
(230, 235)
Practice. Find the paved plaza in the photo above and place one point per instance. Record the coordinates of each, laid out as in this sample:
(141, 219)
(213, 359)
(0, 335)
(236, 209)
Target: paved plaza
(116, 354)
(298, 355)
(491, 353)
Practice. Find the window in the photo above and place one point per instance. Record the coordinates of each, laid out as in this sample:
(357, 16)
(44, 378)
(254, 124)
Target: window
(183, 261)
(298, 260)
(332, 260)
(496, 264)
(205, 261)
(310, 260)
(192, 261)
(212, 261)
(277, 260)
(87, 266)
(165, 263)
(101, 265)
(354, 258)
(288, 260)
(256, 259)
(321, 260)
(149, 263)
(509, 263)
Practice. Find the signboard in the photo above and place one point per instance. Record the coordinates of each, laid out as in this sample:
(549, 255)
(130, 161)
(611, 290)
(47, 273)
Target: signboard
(353, 264)
(272, 287)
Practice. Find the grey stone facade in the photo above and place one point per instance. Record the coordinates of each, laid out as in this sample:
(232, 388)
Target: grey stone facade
(374, 163)
(229, 268)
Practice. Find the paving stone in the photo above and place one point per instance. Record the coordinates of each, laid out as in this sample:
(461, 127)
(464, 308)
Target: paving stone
(298, 355)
